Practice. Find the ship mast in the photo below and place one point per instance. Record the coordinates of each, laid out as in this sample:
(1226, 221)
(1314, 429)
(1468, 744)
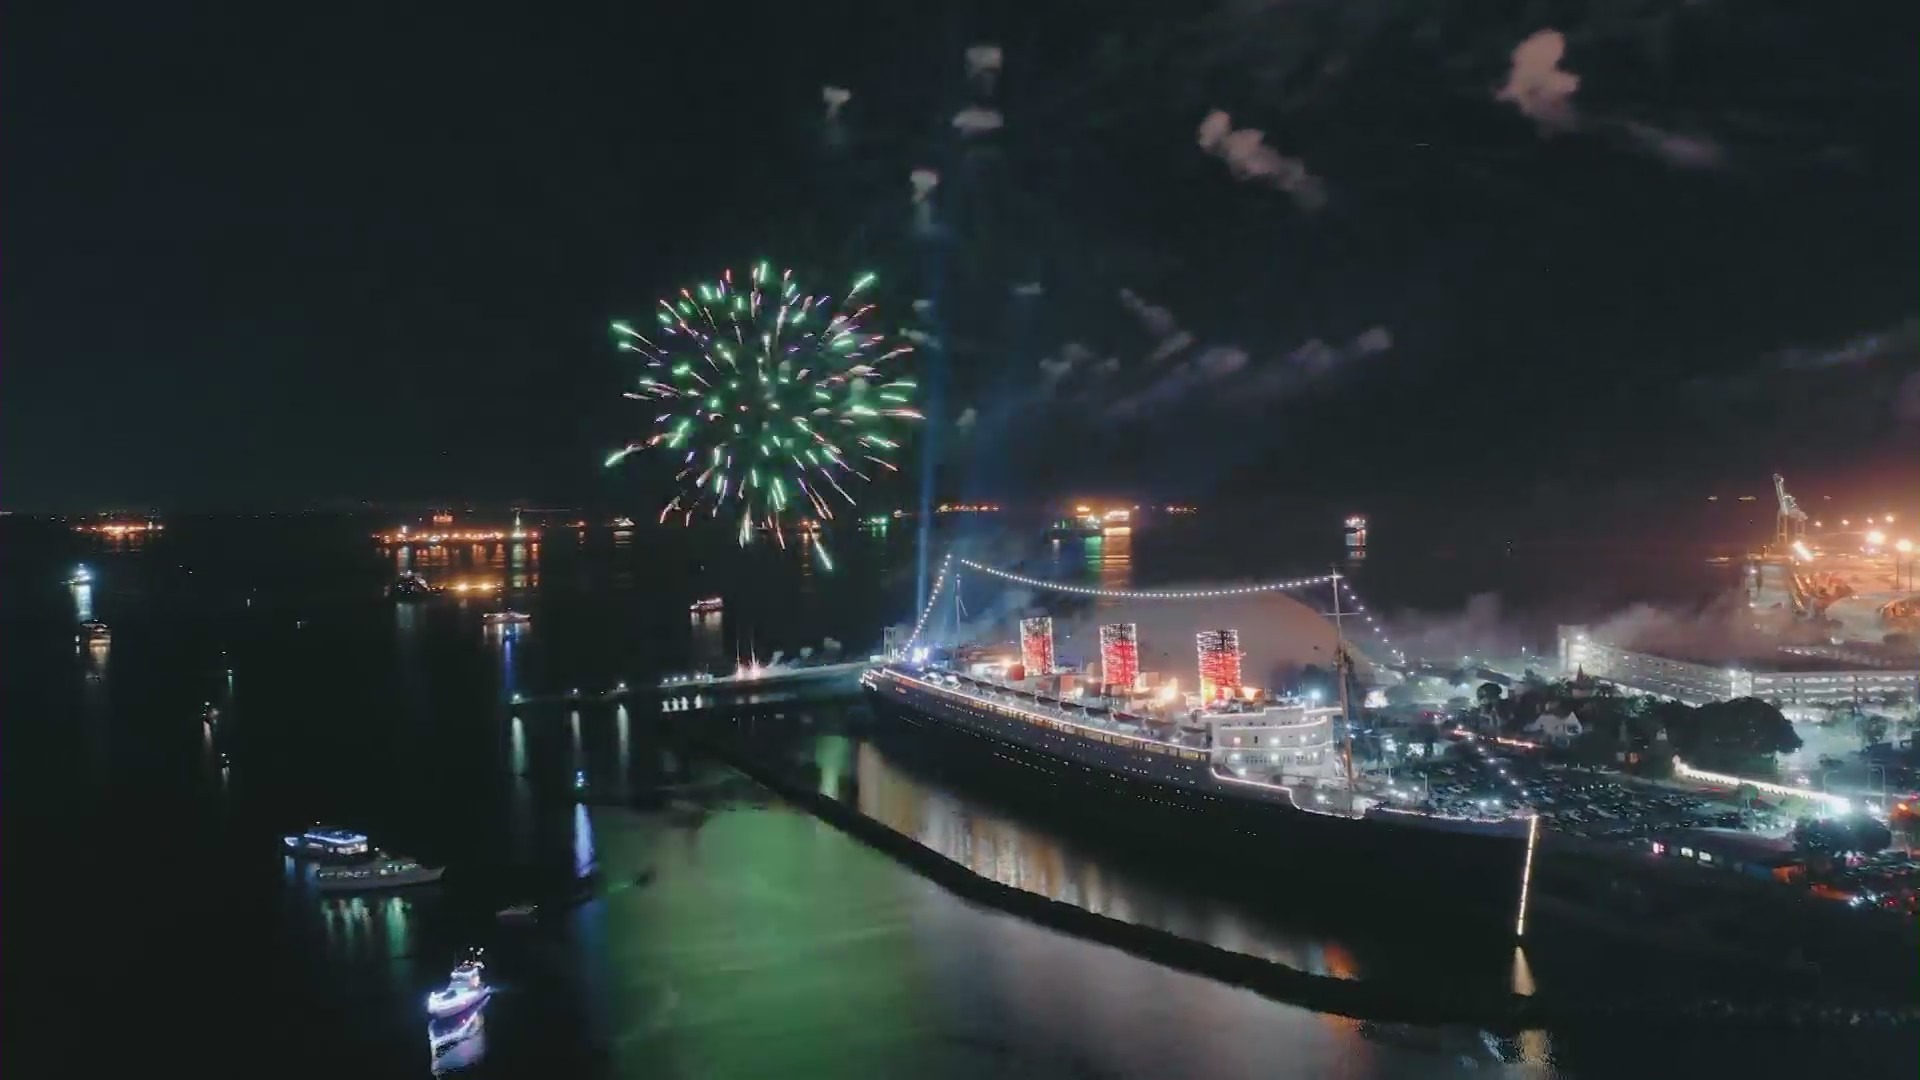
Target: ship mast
(1342, 668)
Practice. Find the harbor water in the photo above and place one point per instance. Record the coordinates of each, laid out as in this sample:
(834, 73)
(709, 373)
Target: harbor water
(257, 679)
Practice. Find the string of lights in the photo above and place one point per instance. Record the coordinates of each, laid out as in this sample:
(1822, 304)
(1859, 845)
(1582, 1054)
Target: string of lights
(933, 598)
(1356, 605)
(1151, 594)
(1373, 627)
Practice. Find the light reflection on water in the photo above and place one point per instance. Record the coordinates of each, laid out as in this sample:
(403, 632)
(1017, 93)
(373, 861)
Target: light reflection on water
(1015, 855)
(458, 1043)
(764, 937)
(516, 565)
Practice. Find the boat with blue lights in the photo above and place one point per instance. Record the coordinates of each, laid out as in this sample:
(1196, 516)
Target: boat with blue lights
(1258, 789)
(326, 842)
(466, 988)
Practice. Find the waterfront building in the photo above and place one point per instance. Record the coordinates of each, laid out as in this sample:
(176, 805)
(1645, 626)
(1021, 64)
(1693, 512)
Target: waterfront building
(1788, 676)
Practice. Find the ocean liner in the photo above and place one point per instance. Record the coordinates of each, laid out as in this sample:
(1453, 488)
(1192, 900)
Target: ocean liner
(1256, 789)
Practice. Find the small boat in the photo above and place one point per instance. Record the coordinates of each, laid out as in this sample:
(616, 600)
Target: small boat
(1081, 527)
(506, 618)
(410, 586)
(623, 523)
(383, 871)
(81, 576)
(94, 633)
(465, 988)
(701, 607)
(518, 913)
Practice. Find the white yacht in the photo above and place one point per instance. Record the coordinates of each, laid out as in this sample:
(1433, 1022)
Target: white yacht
(465, 988)
(383, 871)
(506, 618)
(518, 913)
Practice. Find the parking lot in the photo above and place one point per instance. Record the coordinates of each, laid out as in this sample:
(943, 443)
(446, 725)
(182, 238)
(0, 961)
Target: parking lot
(1575, 800)
(1889, 880)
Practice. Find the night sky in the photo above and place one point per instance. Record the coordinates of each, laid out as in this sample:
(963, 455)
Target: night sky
(277, 256)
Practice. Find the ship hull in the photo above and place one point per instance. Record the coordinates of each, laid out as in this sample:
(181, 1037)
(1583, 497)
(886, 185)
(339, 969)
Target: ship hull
(405, 880)
(1410, 869)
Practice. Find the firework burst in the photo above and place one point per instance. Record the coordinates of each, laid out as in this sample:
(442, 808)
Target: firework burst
(770, 400)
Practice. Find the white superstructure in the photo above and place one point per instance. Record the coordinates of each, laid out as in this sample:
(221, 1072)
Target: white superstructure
(1280, 740)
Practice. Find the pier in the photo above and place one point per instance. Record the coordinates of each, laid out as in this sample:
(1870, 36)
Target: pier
(723, 688)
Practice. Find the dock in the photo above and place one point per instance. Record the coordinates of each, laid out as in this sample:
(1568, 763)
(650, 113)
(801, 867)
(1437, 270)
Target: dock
(727, 687)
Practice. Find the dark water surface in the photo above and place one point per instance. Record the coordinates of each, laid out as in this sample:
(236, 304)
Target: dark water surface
(146, 905)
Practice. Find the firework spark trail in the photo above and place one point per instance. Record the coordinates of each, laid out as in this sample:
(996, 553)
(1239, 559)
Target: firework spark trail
(767, 391)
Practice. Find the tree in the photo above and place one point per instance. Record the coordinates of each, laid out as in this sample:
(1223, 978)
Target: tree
(1403, 693)
(1872, 727)
(1656, 764)
(1594, 747)
(1490, 698)
(1649, 721)
(1838, 837)
(1742, 733)
(1609, 716)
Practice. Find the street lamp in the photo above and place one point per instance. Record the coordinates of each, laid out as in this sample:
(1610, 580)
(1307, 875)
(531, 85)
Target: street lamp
(1876, 538)
(1904, 548)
